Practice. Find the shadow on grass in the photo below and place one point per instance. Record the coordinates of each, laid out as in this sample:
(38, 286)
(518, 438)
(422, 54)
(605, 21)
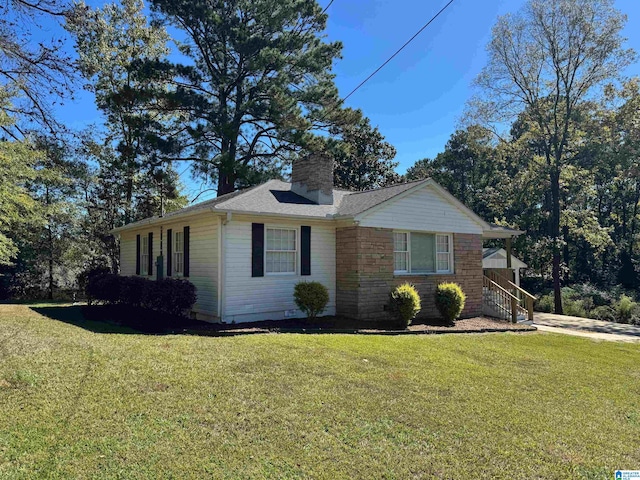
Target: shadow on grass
(127, 320)
(74, 315)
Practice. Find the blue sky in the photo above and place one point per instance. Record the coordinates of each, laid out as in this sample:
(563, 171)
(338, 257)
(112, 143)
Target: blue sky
(418, 98)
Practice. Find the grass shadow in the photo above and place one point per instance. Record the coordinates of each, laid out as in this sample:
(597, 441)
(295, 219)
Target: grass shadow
(127, 320)
(74, 315)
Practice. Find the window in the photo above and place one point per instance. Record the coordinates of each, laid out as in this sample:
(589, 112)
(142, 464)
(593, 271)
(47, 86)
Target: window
(443, 253)
(422, 253)
(281, 252)
(144, 255)
(400, 252)
(178, 253)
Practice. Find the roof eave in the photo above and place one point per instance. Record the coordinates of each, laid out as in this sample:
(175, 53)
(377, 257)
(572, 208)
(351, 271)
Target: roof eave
(498, 234)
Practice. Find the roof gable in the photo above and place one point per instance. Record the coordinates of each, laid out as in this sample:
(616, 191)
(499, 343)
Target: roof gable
(424, 206)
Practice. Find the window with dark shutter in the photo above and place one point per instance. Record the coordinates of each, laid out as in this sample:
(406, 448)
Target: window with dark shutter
(305, 250)
(150, 266)
(137, 254)
(185, 250)
(257, 249)
(169, 251)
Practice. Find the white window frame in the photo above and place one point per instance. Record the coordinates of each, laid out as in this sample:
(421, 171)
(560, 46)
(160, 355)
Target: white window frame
(449, 237)
(144, 254)
(407, 252)
(296, 252)
(176, 253)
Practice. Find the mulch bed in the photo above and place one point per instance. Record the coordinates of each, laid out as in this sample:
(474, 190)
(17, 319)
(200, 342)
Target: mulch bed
(342, 325)
(151, 322)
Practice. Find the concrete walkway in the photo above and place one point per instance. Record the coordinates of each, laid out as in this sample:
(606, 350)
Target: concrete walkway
(586, 327)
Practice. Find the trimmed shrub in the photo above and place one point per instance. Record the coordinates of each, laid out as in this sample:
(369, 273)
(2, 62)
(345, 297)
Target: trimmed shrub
(311, 298)
(133, 290)
(104, 287)
(404, 304)
(450, 301)
(83, 277)
(174, 296)
(170, 295)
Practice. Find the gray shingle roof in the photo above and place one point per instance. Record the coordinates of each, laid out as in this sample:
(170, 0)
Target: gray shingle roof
(487, 252)
(276, 198)
(358, 202)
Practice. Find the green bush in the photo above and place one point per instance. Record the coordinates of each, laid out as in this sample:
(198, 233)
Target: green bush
(311, 298)
(575, 308)
(450, 301)
(545, 303)
(603, 312)
(103, 287)
(626, 310)
(169, 295)
(404, 304)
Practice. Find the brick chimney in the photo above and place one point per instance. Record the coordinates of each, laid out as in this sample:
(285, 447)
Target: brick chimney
(312, 178)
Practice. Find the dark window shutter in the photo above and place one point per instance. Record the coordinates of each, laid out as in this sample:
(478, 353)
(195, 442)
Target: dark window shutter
(305, 250)
(137, 254)
(169, 251)
(150, 269)
(257, 249)
(185, 249)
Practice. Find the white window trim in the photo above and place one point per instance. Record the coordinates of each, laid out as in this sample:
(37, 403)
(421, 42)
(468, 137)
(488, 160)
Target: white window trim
(408, 272)
(144, 257)
(297, 250)
(176, 272)
(407, 253)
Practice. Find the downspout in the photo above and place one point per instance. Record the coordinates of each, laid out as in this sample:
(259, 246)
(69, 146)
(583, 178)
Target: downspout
(220, 268)
(222, 222)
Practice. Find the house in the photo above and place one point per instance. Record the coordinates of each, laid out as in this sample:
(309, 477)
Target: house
(495, 259)
(246, 250)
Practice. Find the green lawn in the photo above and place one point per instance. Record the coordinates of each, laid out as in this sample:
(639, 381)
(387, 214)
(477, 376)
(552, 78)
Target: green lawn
(82, 400)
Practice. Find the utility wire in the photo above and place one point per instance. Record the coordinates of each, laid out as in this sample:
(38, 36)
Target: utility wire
(397, 51)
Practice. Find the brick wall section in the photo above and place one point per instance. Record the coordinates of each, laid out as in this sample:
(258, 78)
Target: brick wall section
(315, 171)
(364, 273)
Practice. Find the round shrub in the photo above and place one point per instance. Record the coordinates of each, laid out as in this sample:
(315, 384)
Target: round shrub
(404, 304)
(450, 301)
(311, 298)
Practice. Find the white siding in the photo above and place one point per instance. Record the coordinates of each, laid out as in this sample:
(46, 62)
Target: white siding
(250, 298)
(423, 210)
(203, 256)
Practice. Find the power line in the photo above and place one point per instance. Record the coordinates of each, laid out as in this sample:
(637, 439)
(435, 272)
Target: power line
(327, 7)
(397, 51)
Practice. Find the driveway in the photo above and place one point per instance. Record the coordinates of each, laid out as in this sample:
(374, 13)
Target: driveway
(586, 327)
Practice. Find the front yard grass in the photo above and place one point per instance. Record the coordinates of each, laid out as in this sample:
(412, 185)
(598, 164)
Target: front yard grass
(80, 402)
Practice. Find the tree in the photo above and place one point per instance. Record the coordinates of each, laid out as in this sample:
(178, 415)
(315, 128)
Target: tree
(109, 42)
(38, 74)
(255, 81)
(543, 62)
(470, 168)
(17, 162)
(363, 159)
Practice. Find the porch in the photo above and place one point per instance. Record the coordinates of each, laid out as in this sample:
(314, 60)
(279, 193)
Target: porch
(502, 296)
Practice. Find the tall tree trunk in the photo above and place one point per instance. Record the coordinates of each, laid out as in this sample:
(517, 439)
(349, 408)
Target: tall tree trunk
(565, 252)
(50, 289)
(555, 236)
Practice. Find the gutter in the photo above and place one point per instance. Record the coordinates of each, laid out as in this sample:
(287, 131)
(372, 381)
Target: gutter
(167, 219)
